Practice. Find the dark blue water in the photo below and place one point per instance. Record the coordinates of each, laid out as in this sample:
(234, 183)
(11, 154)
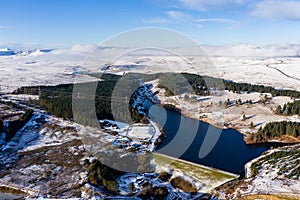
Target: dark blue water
(230, 152)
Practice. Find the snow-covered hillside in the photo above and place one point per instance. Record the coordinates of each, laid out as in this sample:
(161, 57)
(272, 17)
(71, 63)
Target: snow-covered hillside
(47, 157)
(275, 172)
(276, 65)
(40, 67)
(7, 52)
(34, 52)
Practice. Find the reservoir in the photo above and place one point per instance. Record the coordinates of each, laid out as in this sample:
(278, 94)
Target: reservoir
(228, 152)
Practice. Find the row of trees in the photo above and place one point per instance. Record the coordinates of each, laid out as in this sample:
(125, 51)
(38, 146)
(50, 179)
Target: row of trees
(291, 108)
(176, 84)
(201, 84)
(247, 87)
(276, 129)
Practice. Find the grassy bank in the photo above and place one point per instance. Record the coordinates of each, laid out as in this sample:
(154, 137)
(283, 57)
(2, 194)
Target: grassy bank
(208, 177)
(4, 189)
(268, 197)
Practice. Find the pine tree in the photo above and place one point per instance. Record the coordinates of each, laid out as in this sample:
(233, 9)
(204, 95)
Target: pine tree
(289, 129)
(244, 117)
(278, 110)
(294, 134)
(251, 125)
(239, 101)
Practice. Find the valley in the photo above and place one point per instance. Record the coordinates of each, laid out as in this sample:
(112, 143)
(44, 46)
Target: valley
(51, 155)
(49, 137)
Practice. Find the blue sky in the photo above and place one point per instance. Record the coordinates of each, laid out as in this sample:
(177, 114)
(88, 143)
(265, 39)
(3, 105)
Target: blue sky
(214, 22)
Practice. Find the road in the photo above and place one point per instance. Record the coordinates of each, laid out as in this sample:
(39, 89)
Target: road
(281, 62)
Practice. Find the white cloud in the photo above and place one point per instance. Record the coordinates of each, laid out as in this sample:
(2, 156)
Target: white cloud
(178, 16)
(217, 20)
(276, 9)
(247, 50)
(233, 24)
(170, 17)
(203, 5)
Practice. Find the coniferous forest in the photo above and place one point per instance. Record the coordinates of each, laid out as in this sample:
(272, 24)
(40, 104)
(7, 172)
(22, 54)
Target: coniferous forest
(291, 108)
(57, 100)
(275, 130)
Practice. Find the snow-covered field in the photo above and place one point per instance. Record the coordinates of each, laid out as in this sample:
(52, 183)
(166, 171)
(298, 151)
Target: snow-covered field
(140, 131)
(45, 158)
(241, 63)
(273, 175)
(268, 65)
(232, 116)
(41, 68)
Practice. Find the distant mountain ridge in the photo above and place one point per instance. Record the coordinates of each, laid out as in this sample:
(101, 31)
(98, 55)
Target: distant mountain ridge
(11, 52)
(226, 50)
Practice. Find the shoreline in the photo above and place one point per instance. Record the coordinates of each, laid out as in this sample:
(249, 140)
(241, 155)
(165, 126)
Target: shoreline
(283, 140)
